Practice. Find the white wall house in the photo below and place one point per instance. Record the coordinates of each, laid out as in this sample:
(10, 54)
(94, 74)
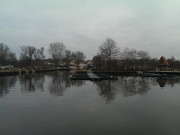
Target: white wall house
(82, 65)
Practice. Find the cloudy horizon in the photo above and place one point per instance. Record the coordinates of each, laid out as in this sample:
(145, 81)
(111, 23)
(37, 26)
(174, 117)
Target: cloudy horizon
(153, 26)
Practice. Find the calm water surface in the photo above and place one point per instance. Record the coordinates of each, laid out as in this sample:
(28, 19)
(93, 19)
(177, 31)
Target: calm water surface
(52, 104)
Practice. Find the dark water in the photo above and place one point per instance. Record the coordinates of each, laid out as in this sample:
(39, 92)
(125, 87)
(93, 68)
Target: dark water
(51, 104)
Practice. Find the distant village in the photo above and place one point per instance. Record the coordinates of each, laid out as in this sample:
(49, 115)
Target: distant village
(159, 65)
(109, 58)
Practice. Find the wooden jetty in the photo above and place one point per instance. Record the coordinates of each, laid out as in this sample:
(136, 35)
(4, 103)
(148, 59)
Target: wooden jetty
(156, 75)
(92, 76)
(139, 73)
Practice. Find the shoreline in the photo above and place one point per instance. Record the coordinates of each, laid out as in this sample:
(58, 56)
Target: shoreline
(128, 73)
(17, 72)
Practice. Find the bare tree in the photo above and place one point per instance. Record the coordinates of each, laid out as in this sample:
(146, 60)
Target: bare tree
(109, 51)
(78, 56)
(57, 50)
(97, 61)
(125, 57)
(6, 56)
(39, 54)
(27, 53)
(67, 57)
(12, 59)
(133, 57)
(4, 50)
(144, 57)
(173, 63)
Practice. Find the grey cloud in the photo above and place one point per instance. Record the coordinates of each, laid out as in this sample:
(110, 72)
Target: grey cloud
(83, 25)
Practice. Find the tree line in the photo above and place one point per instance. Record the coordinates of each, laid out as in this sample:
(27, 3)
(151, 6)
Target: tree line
(108, 57)
(31, 56)
(6, 56)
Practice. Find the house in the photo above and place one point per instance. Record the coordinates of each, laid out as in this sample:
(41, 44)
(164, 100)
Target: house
(163, 63)
(89, 63)
(8, 67)
(73, 64)
(83, 65)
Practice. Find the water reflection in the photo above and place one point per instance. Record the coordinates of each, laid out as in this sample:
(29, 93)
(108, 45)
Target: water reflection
(30, 83)
(107, 89)
(56, 83)
(127, 86)
(61, 81)
(130, 86)
(6, 83)
(163, 82)
(78, 83)
(80, 108)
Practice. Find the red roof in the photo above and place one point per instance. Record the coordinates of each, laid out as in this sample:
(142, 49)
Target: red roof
(73, 61)
(164, 59)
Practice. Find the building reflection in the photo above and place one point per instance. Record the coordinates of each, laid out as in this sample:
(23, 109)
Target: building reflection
(6, 83)
(170, 81)
(162, 81)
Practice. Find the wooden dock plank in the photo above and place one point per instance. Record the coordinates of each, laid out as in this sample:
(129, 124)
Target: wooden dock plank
(93, 76)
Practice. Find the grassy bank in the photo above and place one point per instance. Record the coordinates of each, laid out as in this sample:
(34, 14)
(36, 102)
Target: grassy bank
(17, 71)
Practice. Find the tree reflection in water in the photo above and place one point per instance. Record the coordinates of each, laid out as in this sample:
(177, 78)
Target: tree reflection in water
(127, 86)
(171, 81)
(107, 89)
(78, 83)
(6, 83)
(31, 83)
(60, 82)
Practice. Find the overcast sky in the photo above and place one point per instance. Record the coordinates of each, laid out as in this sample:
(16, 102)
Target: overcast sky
(151, 25)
